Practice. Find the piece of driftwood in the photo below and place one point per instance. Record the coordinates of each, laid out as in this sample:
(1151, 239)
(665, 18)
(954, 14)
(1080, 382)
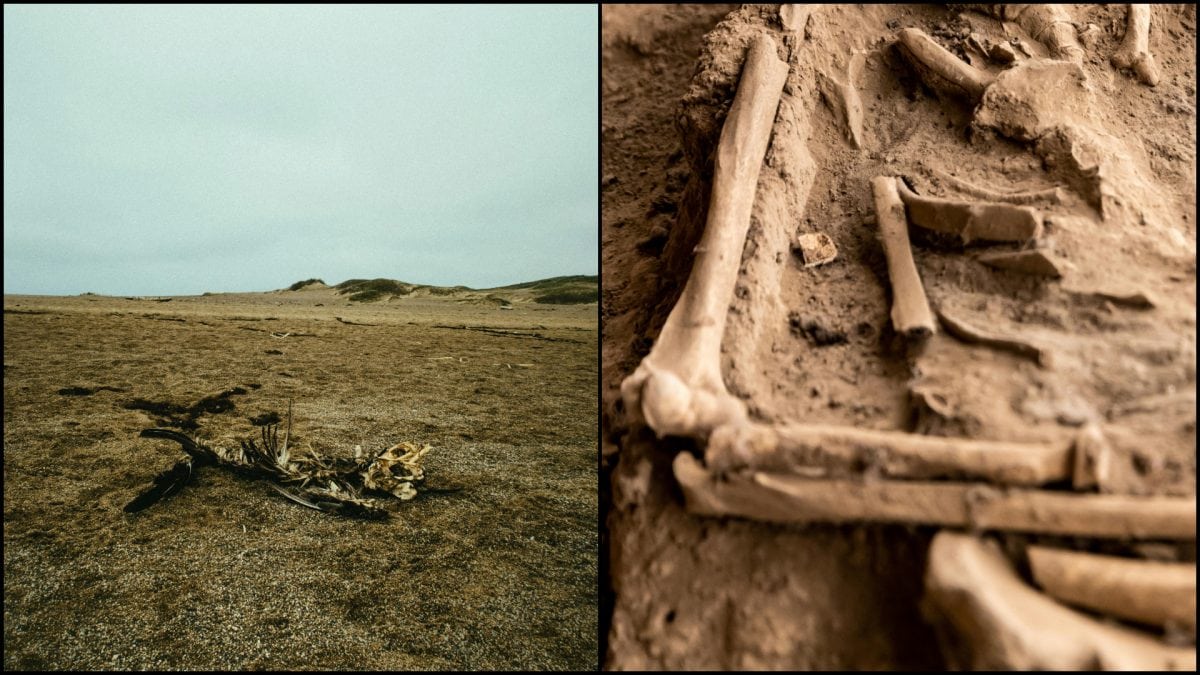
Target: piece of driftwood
(910, 308)
(996, 621)
(783, 498)
(678, 388)
(987, 221)
(1134, 51)
(1147, 591)
(845, 451)
(961, 329)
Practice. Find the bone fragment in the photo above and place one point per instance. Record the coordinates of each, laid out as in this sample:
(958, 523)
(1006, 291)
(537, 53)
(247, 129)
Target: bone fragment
(965, 331)
(782, 498)
(793, 17)
(1146, 591)
(934, 58)
(1053, 195)
(910, 308)
(1093, 459)
(1129, 298)
(678, 388)
(1001, 623)
(1134, 51)
(842, 450)
(990, 221)
(1036, 262)
(816, 248)
(1050, 25)
(843, 99)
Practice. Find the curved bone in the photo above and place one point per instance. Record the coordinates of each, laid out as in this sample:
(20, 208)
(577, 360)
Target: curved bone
(910, 308)
(1050, 25)
(1147, 591)
(951, 69)
(782, 498)
(1002, 623)
(990, 221)
(842, 450)
(678, 387)
(1134, 51)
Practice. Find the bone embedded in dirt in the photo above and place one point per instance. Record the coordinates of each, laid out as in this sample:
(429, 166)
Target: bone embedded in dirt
(816, 248)
(910, 308)
(783, 498)
(968, 332)
(1134, 51)
(1052, 25)
(930, 57)
(844, 450)
(841, 96)
(1036, 262)
(678, 388)
(1092, 459)
(988, 221)
(1146, 591)
(793, 17)
(1001, 623)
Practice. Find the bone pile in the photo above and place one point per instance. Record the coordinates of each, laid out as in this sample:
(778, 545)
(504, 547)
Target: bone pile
(806, 473)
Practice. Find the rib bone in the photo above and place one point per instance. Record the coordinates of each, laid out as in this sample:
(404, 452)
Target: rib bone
(1147, 591)
(910, 308)
(1134, 51)
(1001, 623)
(991, 221)
(678, 387)
(783, 498)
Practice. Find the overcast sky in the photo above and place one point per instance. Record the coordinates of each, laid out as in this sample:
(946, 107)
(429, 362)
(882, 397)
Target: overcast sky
(173, 150)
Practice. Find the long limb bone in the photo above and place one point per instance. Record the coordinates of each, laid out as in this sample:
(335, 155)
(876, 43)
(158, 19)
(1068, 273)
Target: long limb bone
(933, 58)
(841, 450)
(782, 498)
(1002, 623)
(1147, 591)
(1134, 51)
(910, 308)
(678, 387)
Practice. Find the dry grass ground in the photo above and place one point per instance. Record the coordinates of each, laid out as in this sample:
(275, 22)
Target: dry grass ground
(228, 574)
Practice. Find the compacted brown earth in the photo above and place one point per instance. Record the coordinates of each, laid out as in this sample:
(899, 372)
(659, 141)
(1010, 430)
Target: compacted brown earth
(499, 573)
(1114, 324)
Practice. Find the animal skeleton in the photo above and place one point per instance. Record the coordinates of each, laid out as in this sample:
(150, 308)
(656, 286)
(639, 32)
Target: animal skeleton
(334, 485)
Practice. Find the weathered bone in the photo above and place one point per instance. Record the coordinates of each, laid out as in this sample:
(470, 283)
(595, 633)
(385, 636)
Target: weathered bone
(1001, 623)
(1053, 195)
(839, 450)
(1134, 51)
(1036, 262)
(962, 76)
(678, 387)
(990, 221)
(1050, 25)
(843, 99)
(962, 330)
(910, 308)
(782, 498)
(1146, 591)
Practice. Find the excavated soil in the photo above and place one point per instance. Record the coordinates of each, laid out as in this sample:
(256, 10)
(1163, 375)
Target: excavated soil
(229, 575)
(815, 344)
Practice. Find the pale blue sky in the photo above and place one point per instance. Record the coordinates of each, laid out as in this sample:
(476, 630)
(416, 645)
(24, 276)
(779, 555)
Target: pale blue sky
(174, 150)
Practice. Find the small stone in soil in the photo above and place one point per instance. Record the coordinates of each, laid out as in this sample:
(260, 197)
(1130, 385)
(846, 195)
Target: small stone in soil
(814, 332)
